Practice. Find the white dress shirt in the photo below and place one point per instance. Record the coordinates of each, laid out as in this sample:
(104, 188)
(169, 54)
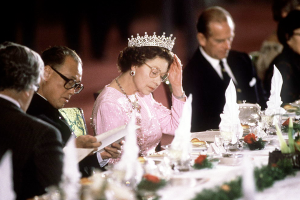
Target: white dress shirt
(215, 63)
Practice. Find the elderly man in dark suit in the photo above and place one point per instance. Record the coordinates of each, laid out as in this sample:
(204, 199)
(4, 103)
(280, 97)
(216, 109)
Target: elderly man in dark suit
(36, 146)
(209, 71)
(61, 80)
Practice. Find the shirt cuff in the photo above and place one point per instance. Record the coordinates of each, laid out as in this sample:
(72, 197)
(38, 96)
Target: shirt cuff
(102, 162)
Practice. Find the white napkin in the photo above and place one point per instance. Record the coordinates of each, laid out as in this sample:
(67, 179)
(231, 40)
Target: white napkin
(71, 176)
(6, 177)
(248, 181)
(129, 163)
(182, 139)
(274, 103)
(230, 115)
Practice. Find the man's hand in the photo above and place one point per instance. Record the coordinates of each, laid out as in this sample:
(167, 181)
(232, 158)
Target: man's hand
(114, 151)
(87, 141)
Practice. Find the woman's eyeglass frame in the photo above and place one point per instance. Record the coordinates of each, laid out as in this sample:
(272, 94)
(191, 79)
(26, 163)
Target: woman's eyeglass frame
(158, 72)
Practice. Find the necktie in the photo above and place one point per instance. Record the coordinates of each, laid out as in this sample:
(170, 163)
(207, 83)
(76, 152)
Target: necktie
(226, 77)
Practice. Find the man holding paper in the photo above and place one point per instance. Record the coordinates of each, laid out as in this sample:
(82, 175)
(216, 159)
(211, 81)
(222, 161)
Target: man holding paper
(62, 77)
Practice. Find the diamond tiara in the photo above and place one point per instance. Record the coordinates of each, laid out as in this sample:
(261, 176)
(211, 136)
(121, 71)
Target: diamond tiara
(159, 41)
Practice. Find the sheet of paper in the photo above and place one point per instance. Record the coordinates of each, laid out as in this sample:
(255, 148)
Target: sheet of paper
(82, 153)
(111, 136)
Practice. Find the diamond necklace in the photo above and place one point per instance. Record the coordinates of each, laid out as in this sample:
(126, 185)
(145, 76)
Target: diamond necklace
(135, 104)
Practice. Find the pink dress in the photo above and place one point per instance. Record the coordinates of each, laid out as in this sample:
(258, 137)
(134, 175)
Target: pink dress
(112, 109)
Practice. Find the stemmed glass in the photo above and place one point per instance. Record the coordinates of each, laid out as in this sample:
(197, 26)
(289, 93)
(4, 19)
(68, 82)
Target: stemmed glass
(218, 140)
(227, 133)
(219, 143)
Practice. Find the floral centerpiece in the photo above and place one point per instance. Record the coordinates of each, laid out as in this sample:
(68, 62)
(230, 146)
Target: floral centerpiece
(288, 150)
(202, 162)
(151, 182)
(253, 142)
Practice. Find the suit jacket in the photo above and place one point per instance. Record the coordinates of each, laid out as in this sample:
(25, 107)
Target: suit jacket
(288, 63)
(36, 148)
(208, 89)
(41, 108)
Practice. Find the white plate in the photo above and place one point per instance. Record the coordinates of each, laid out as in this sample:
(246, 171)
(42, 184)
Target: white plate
(208, 136)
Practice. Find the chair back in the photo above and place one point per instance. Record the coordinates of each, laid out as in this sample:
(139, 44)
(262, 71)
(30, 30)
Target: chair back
(75, 118)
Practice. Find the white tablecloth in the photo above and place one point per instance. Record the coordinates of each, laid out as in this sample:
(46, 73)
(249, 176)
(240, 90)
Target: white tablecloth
(195, 181)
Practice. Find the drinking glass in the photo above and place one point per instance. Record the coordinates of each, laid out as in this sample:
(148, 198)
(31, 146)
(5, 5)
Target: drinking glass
(237, 132)
(227, 134)
(218, 140)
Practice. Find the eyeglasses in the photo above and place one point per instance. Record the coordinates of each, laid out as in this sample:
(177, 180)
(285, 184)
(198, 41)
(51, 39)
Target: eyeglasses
(155, 72)
(70, 83)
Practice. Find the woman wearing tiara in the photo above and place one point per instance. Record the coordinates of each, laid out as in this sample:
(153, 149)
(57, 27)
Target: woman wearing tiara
(144, 65)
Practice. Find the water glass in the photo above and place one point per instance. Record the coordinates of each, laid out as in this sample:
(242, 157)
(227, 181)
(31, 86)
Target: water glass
(218, 140)
(227, 134)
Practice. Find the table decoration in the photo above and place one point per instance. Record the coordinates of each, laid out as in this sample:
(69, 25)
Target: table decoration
(129, 170)
(290, 151)
(6, 174)
(264, 176)
(230, 125)
(253, 142)
(273, 104)
(151, 183)
(202, 162)
(70, 184)
(180, 148)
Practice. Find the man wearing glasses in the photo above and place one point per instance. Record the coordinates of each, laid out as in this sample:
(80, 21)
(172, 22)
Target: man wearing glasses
(62, 77)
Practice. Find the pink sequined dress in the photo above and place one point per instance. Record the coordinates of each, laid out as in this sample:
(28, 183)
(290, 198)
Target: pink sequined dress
(112, 109)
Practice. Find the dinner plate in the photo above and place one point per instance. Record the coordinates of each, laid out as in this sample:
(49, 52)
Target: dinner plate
(208, 136)
(231, 161)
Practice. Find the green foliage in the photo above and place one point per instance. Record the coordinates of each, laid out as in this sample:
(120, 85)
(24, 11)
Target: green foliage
(259, 144)
(150, 186)
(205, 164)
(264, 178)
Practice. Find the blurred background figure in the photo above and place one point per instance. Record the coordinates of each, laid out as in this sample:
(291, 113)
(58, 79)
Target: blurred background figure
(271, 47)
(288, 61)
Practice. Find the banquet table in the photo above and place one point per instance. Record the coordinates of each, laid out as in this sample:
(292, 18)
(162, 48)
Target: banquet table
(185, 185)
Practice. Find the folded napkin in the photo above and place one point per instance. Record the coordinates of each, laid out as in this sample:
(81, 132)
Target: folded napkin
(274, 103)
(230, 115)
(129, 164)
(182, 139)
(6, 177)
(248, 180)
(70, 184)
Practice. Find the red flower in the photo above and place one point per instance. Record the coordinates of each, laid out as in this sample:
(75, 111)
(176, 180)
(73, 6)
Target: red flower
(151, 178)
(250, 138)
(200, 159)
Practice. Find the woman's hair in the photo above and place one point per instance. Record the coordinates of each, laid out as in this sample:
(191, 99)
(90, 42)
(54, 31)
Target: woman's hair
(20, 67)
(287, 26)
(55, 56)
(279, 6)
(137, 56)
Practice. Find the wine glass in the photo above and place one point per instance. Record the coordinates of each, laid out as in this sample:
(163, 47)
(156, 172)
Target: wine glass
(219, 143)
(227, 133)
(218, 140)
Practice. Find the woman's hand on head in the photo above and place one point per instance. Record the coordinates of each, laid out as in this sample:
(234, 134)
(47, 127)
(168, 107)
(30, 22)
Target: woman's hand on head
(175, 76)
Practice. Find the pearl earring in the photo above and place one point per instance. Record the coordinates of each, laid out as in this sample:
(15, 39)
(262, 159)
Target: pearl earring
(132, 73)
